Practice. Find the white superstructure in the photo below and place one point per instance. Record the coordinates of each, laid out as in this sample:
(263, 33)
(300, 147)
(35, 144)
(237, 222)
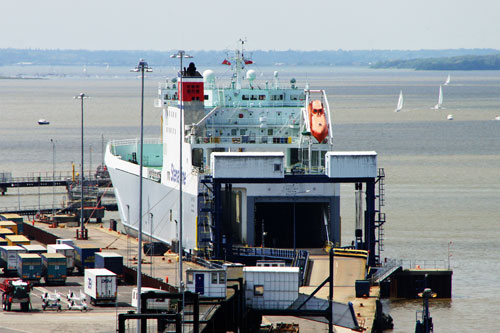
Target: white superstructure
(258, 120)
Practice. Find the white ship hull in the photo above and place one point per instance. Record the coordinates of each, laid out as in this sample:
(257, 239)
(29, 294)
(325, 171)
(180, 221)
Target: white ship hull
(160, 204)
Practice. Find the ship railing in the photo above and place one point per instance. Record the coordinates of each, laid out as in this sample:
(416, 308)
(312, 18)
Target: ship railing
(246, 139)
(269, 252)
(42, 177)
(288, 171)
(417, 264)
(137, 141)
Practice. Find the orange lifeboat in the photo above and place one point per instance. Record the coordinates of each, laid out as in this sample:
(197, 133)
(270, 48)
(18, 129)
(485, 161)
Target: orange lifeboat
(317, 120)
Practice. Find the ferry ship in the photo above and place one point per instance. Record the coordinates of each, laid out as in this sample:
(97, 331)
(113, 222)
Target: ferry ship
(286, 127)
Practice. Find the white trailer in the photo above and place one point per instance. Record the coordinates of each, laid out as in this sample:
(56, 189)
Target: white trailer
(100, 285)
(8, 256)
(155, 304)
(66, 250)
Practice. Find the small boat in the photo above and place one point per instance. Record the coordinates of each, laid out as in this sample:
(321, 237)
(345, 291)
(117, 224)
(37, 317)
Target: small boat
(317, 120)
(440, 99)
(400, 102)
(43, 122)
(450, 117)
(447, 82)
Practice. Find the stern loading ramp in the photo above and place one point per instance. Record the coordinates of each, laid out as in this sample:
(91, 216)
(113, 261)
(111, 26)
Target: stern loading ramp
(340, 167)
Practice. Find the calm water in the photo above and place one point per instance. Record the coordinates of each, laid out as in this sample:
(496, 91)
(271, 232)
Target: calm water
(442, 177)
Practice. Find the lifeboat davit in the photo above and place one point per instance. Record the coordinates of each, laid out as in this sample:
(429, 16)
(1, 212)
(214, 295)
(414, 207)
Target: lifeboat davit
(317, 120)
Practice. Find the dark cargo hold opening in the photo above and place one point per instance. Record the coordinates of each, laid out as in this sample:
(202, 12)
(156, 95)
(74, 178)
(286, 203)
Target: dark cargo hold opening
(278, 219)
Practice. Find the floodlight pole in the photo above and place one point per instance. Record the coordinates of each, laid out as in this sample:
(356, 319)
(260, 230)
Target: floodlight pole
(81, 97)
(53, 177)
(141, 67)
(180, 54)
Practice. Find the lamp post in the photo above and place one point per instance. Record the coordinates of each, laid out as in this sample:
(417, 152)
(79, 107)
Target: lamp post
(180, 54)
(141, 67)
(53, 176)
(81, 97)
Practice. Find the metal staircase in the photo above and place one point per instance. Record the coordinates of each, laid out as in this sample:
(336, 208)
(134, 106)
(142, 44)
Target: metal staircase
(204, 223)
(379, 216)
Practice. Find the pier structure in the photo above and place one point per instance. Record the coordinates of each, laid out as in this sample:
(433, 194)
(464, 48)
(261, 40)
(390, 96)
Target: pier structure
(95, 188)
(341, 167)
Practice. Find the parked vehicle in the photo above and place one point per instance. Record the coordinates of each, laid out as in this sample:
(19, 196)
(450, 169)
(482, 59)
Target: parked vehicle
(100, 285)
(68, 251)
(15, 291)
(110, 260)
(85, 255)
(8, 258)
(54, 268)
(29, 267)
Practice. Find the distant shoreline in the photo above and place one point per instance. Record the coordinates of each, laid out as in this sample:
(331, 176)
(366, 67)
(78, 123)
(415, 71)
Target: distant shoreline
(340, 58)
(463, 63)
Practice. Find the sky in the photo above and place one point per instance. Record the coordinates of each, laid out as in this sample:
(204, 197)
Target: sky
(266, 24)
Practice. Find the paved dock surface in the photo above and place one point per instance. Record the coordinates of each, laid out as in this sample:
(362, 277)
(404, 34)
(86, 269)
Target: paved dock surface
(103, 319)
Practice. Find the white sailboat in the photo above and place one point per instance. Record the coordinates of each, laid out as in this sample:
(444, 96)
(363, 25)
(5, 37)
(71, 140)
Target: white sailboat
(447, 82)
(440, 99)
(399, 107)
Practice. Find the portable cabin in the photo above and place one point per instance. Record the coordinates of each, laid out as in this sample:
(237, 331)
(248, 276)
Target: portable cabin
(4, 232)
(273, 288)
(9, 225)
(17, 240)
(154, 304)
(18, 219)
(208, 283)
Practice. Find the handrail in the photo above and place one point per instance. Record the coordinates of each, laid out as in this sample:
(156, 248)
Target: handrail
(126, 142)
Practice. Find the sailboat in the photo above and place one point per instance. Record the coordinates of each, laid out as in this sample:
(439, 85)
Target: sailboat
(447, 82)
(400, 102)
(440, 99)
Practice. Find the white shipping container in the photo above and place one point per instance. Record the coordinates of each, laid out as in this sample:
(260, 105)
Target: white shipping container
(66, 250)
(100, 285)
(356, 164)
(247, 165)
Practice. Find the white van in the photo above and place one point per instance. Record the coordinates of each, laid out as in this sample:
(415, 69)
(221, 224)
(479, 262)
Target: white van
(157, 304)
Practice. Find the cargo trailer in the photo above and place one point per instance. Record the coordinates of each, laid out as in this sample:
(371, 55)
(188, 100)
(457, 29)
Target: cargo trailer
(66, 250)
(85, 255)
(100, 285)
(54, 268)
(8, 258)
(29, 267)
